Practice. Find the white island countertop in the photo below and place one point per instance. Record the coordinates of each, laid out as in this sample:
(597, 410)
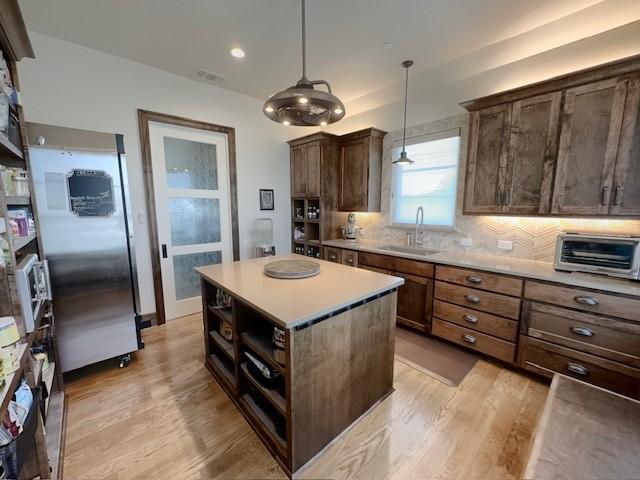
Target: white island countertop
(291, 302)
(500, 264)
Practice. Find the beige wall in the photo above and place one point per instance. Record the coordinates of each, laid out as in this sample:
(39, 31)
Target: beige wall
(77, 87)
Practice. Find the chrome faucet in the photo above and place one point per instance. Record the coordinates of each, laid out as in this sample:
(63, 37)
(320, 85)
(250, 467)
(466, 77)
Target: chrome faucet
(418, 238)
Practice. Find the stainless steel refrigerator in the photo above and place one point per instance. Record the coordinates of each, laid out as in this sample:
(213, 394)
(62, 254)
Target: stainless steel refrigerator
(82, 198)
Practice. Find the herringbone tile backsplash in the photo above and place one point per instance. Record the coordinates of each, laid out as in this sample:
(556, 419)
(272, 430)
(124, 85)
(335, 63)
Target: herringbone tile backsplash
(533, 238)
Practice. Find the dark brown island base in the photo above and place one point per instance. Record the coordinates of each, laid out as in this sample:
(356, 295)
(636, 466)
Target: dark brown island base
(337, 333)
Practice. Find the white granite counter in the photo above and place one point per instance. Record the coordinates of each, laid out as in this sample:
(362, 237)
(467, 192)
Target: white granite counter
(292, 302)
(511, 266)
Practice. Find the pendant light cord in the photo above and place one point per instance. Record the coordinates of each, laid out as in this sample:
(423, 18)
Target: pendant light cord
(406, 89)
(304, 43)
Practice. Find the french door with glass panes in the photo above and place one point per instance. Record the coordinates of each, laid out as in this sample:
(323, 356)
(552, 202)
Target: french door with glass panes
(192, 202)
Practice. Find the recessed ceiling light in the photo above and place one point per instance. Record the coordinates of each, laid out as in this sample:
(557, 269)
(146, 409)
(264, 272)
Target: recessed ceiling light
(237, 52)
(387, 45)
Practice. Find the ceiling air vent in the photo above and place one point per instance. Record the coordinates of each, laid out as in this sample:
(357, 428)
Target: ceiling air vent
(210, 77)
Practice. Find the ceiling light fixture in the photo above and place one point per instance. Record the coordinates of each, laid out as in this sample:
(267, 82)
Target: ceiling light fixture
(237, 52)
(404, 160)
(301, 104)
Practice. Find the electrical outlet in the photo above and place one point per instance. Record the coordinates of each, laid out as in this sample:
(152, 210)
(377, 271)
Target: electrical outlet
(466, 241)
(505, 245)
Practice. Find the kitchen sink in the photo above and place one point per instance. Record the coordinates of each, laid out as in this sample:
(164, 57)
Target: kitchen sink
(412, 250)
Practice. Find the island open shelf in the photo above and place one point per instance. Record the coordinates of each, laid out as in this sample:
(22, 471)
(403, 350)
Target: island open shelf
(336, 365)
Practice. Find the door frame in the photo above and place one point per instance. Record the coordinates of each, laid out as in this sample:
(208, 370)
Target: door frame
(144, 117)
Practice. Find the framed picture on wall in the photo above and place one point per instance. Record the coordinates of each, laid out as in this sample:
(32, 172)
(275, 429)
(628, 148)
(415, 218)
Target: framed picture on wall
(266, 199)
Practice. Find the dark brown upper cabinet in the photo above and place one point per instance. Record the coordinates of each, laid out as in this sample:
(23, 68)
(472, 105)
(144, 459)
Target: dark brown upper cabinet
(361, 171)
(533, 145)
(487, 161)
(568, 146)
(305, 169)
(512, 155)
(591, 123)
(625, 198)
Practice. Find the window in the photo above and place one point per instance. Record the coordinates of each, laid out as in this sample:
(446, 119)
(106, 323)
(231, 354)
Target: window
(429, 182)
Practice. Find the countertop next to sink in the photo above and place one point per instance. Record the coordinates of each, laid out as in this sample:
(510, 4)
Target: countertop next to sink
(510, 266)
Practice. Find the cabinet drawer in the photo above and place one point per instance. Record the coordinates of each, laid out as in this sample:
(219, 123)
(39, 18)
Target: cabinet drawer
(494, 347)
(586, 300)
(332, 254)
(479, 300)
(349, 257)
(482, 280)
(476, 320)
(403, 265)
(610, 338)
(545, 358)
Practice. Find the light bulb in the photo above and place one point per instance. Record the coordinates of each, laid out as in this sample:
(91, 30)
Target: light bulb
(286, 122)
(269, 109)
(337, 111)
(237, 52)
(303, 100)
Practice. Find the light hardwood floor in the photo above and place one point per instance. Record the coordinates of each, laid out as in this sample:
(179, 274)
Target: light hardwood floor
(164, 417)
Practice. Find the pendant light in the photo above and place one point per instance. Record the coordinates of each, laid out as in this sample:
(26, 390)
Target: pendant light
(301, 104)
(404, 160)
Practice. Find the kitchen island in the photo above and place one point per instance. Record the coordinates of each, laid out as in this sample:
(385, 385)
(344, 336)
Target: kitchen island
(338, 351)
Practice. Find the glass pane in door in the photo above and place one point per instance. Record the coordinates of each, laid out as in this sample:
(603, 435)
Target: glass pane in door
(186, 279)
(194, 220)
(190, 165)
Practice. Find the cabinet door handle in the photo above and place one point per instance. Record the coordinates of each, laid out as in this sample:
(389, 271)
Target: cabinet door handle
(474, 279)
(577, 369)
(499, 197)
(164, 250)
(617, 196)
(603, 198)
(586, 300)
(584, 331)
(470, 318)
(304, 187)
(469, 338)
(472, 299)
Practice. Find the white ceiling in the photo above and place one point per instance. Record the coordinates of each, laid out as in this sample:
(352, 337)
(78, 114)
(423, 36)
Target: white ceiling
(344, 41)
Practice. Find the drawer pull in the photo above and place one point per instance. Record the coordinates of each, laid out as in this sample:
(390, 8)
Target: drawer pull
(349, 261)
(333, 257)
(474, 279)
(584, 331)
(470, 318)
(585, 300)
(469, 338)
(472, 299)
(577, 369)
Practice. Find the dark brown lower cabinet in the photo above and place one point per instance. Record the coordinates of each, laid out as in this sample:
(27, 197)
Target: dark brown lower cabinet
(415, 302)
(415, 297)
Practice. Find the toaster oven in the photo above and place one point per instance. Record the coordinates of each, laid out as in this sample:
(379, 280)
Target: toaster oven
(614, 255)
